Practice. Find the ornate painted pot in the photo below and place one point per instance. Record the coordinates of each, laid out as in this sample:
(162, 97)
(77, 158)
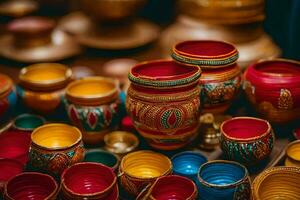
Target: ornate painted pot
(187, 164)
(273, 87)
(141, 168)
(277, 183)
(247, 140)
(171, 187)
(104, 157)
(41, 86)
(221, 76)
(221, 179)
(8, 169)
(8, 99)
(16, 150)
(293, 154)
(92, 104)
(31, 185)
(28, 122)
(55, 147)
(89, 181)
(121, 142)
(163, 102)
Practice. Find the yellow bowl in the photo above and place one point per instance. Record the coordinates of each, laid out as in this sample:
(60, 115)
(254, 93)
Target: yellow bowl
(293, 154)
(277, 183)
(141, 168)
(120, 142)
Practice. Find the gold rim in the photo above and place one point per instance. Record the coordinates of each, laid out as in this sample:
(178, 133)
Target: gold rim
(123, 134)
(290, 145)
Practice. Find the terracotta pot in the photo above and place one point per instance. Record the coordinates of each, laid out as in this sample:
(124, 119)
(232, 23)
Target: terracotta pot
(18, 149)
(42, 86)
(8, 169)
(8, 99)
(293, 154)
(273, 87)
(31, 185)
(93, 105)
(247, 140)
(141, 168)
(89, 181)
(55, 147)
(163, 102)
(221, 179)
(277, 183)
(221, 76)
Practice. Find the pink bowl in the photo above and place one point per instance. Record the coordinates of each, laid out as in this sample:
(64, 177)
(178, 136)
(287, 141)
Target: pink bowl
(89, 180)
(8, 169)
(18, 149)
(31, 186)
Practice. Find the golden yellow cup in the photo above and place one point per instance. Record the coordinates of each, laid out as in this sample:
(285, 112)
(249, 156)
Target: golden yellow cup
(141, 168)
(293, 154)
(55, 147)
(42, 85)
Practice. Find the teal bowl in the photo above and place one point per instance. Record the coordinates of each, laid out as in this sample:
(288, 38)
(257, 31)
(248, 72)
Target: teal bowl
(28, 122)
(104, 157)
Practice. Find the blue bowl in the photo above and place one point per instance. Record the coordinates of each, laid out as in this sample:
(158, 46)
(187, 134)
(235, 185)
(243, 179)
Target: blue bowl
(187, 164)
(223, 180)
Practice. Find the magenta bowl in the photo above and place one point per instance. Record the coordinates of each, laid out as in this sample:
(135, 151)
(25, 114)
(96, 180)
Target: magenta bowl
(8, 169)
(31, 186)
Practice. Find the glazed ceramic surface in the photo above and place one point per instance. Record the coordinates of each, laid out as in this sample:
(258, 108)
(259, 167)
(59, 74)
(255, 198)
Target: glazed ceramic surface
(42, 86)
(163, 102)
(8, 99)
(221, 76)
(219, 180)
(93, 104)
(18, 149)
(273, 87)
(247, 140)
(31, 185)
(293, 154)
(104, 157)
(8, 169)
(55, 147)
(141, 168)
(187, 164)
(28, 122)
(277, 183)
(89, 181)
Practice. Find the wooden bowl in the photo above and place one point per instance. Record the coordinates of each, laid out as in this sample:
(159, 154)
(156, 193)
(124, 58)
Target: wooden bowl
(277, 183)
(88, 180)
(8, 169)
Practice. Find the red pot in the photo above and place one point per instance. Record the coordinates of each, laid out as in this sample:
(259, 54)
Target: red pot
(273, 87)
(15, 145)
(163, 102)
(221, 76)
(31, 185)
(89, 181)
(8, 169)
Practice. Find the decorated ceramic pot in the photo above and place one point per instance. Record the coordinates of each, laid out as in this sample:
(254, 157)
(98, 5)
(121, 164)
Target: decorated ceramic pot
(220, 180)
(8, 99)
(31, 185)
(221, 76)
(42, 86)
(273, 87)
(15, 145)
(187, 164)
(89, 181)
(8, 169)
(141, 168)
(293, 154)
(121, 142)
(92, 104)
(163, 102)
(171, 187)
(277, 183)
(104, 157)
(28, 122)
(247, 140)
(55, 147)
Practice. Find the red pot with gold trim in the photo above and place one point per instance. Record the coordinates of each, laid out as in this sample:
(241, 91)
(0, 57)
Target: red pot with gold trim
(163, 102)
(273, 87)
(221, 76)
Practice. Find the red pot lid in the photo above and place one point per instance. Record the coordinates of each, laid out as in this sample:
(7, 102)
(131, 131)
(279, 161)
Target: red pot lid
(5, 84)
